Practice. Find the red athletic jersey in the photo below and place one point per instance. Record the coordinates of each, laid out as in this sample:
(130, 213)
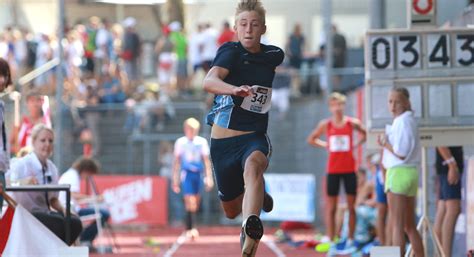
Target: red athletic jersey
(341, 159)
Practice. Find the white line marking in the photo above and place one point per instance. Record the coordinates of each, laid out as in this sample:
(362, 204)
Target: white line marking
(181, 239)
(271, 244)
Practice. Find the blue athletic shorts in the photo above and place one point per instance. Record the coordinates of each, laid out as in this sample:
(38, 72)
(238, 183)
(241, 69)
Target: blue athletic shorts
(191, 182)
(228, 156)
(380, 189)
(447, 191)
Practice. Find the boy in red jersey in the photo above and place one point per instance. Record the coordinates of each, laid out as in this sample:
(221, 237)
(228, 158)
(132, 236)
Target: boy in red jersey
(341, 164)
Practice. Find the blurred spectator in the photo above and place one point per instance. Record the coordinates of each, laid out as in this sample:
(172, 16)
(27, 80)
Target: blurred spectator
(159, 109)
(131, 51)
(339, 56)
(36, 169)
(295, 47)
(180, 48)
(164, 50)
(115, 51)
(44, 54)
(111, 90)
(227, 34)
(5, 81)
(281, 91)
(91, 116)
(294, 51)
(83, 168)
(35, 114)
(209, 47)
(74, 52)
(103, 42)
(19, 52)
(90, 44)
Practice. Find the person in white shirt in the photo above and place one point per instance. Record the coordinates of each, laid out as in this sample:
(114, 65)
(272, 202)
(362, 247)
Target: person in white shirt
(36, 169)
(5, 81)
(83, 168)
(191, 159)
(401, 159)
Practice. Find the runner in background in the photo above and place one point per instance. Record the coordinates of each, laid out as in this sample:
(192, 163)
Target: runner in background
(191, 159)
(341, 165)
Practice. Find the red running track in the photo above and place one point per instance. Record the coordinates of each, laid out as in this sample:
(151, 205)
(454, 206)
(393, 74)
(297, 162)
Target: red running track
(212, 242)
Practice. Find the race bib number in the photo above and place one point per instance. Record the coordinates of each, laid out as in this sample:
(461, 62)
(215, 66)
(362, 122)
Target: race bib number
(259, 101)
(339, 143)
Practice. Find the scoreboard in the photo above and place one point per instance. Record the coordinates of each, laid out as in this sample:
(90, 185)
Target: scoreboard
(437, 67)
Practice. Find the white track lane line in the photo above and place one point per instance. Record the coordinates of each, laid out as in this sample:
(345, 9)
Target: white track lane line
(180, 241)
(271, 244)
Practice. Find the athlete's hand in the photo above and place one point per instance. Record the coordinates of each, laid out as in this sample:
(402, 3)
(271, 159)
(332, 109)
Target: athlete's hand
(453, 174)
(176, 188)
(242, 91)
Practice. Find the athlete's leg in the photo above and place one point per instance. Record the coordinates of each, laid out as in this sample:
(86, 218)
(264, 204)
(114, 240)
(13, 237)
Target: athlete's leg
(453, 209)
(233, 208)
(440, 214)
(398, 214)
(331, 216)
(381, 219)
(410, 226)
(255, 166)
(352, 214)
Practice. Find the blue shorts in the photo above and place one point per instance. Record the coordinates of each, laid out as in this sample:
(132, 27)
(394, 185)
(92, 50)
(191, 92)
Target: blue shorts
(228, 156)
(191, 182)
(380, 191)
(447, 191)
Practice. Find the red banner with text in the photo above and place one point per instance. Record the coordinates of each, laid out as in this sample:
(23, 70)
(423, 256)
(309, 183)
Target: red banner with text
(133, 199)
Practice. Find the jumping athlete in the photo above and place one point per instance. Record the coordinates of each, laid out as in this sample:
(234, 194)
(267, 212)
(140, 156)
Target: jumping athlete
(341, 164)
(191, 159)
(241, 78)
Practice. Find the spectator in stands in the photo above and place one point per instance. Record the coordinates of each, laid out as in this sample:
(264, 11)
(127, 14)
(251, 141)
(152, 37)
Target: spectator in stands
(339, 53)
(227, 34)
(191, 163)
(103, 43)
(44, 54)
(281, 91)
(180, 49)
(90, 44)
(195, 55)
(111, 90)
(209, 47)
(83, 168)
(36, 169)
(21, 134)
(5, 81)
(131, 51)
(164, 50)
(294, 51)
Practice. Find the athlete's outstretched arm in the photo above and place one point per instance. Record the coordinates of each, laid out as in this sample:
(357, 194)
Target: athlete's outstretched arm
(214, 83)
(314, 138)
(357, 125)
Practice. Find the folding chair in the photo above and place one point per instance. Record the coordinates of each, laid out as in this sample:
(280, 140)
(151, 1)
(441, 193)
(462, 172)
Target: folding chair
(91, 187)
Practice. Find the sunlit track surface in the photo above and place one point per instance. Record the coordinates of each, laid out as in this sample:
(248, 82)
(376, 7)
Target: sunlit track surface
(212, 242)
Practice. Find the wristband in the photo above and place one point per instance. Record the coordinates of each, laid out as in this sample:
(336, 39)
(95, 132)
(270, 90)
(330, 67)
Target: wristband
(448, 161)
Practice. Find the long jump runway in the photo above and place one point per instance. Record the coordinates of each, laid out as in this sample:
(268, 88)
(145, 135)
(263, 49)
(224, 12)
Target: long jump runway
(212, 242)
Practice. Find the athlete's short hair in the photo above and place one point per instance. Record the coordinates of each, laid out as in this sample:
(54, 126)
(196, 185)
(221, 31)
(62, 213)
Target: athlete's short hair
(251, 5)
(192, 123)
(337, 96)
